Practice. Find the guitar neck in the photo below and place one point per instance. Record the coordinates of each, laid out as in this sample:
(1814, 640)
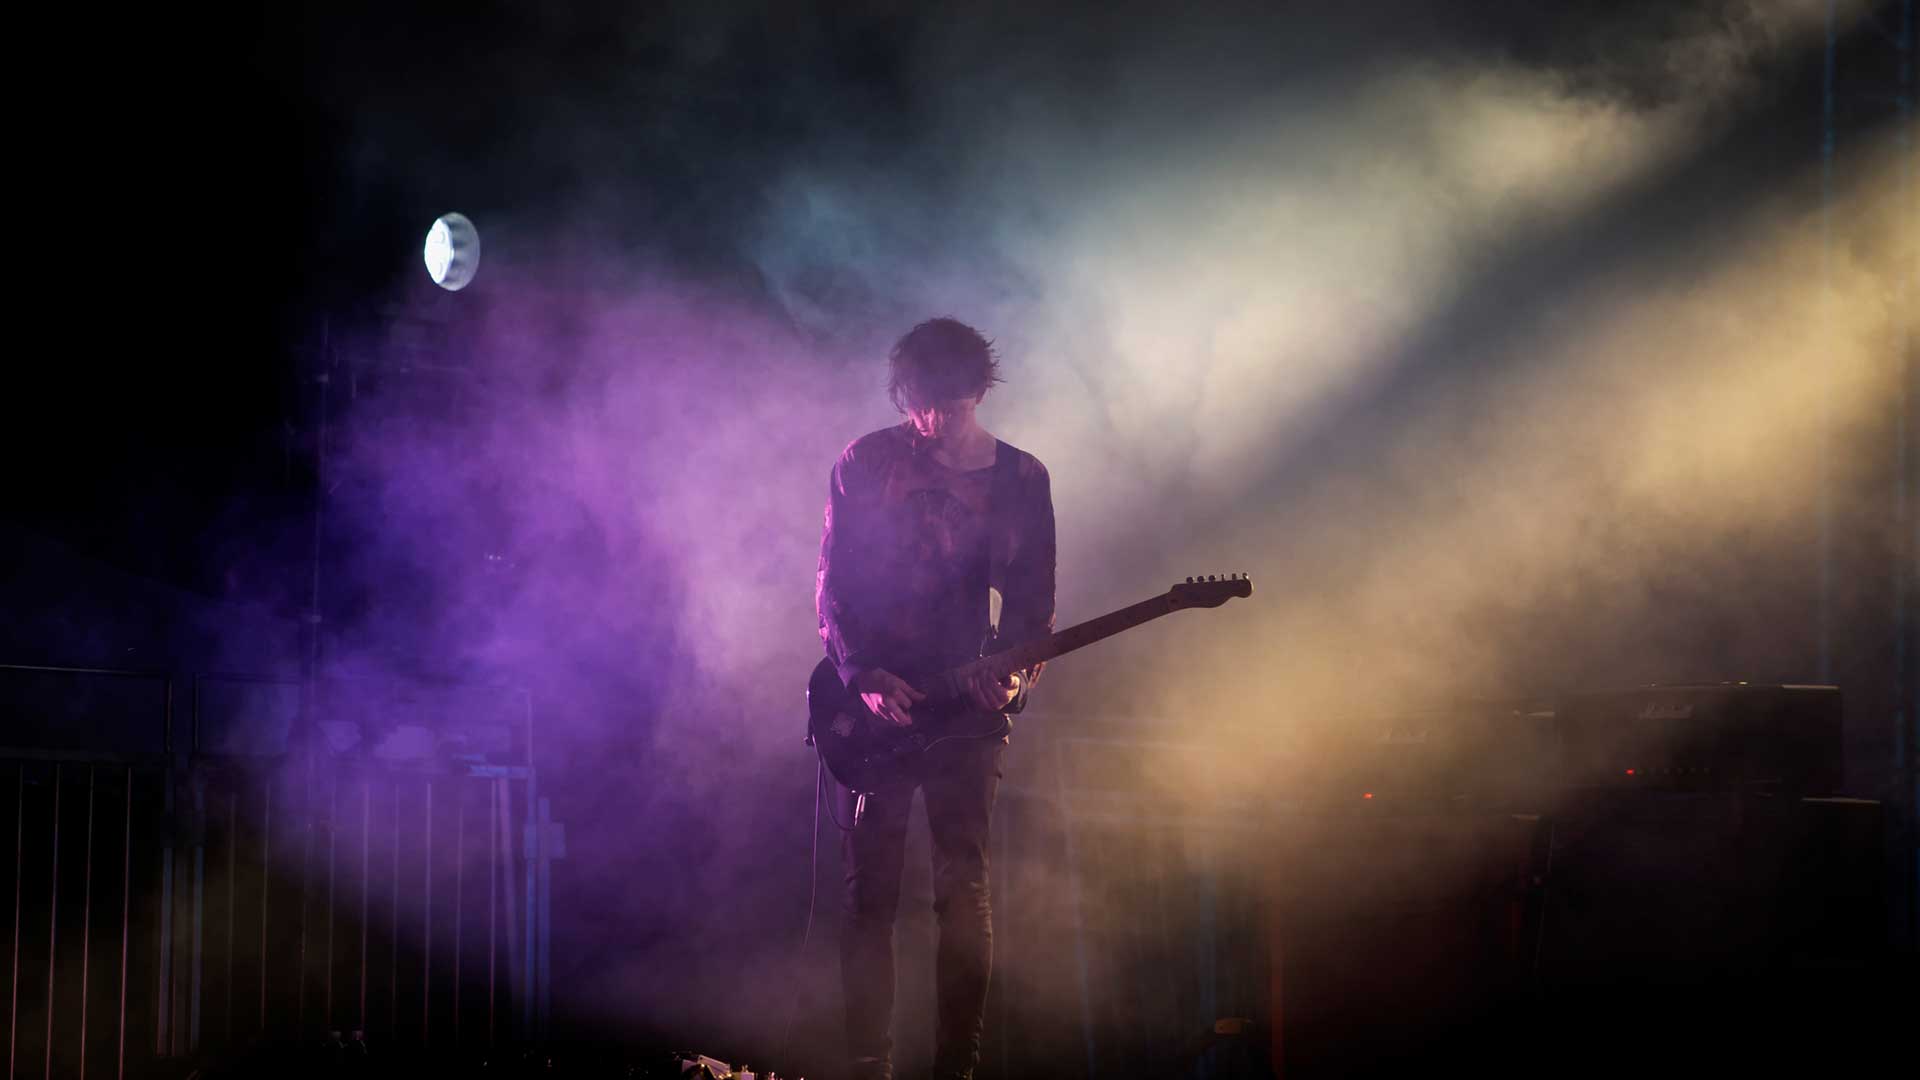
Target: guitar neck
(1077, 636)
(1208, 592)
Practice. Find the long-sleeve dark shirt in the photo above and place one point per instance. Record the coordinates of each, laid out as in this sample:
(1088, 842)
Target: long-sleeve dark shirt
(903, 574)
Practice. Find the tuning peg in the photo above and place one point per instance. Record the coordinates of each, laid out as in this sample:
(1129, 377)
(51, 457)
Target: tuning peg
(1210, 577)
(1189, 580)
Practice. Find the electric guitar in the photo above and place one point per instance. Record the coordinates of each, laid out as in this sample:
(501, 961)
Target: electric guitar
(866, 753)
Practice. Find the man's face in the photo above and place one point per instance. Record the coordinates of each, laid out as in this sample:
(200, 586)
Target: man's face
(938, 419)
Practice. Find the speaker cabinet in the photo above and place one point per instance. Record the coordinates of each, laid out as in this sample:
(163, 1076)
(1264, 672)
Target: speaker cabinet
(1393, 936)
(1640, 929)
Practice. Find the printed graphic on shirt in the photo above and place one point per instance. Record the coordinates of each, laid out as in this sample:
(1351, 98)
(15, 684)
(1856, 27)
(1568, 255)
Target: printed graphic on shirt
(945, 527)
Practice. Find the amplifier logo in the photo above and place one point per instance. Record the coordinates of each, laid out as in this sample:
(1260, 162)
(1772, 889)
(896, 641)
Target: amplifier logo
(1666, 710)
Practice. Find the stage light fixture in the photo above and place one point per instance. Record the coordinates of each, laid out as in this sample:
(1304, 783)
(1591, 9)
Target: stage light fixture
(453, 252)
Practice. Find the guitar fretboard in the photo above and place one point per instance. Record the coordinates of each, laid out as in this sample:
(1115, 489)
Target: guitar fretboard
(1077, 636)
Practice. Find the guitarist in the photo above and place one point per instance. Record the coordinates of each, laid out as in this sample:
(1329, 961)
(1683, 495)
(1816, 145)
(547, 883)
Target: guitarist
(924, 519)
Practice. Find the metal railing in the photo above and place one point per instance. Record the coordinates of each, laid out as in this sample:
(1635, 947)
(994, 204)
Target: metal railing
(265, 894)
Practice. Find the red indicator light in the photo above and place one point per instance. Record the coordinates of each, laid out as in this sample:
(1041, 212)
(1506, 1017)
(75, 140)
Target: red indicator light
(1629, 772)
(1368, 795)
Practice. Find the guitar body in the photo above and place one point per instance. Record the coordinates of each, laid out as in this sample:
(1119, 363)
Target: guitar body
(866, 753)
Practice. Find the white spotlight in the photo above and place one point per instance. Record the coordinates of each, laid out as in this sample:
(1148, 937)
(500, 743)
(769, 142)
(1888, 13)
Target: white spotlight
(453, 251)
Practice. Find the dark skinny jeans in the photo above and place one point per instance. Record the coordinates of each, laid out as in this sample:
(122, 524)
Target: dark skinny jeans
(959, 780)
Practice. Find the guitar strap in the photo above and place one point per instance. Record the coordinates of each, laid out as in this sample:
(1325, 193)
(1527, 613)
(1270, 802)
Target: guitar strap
(1000, 500)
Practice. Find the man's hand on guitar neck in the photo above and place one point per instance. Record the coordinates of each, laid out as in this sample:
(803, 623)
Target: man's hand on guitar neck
(887, 695)
(993, 696)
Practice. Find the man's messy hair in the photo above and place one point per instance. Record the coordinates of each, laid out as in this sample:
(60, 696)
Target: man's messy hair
(939, 360)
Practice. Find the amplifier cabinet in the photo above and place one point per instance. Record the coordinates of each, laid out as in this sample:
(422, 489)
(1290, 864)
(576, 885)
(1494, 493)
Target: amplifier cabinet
(1625, 927)
(1720, 932)
(1397, 939)
(1706, 737)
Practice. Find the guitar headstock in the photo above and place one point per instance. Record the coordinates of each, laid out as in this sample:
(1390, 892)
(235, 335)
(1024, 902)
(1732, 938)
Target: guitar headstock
(1210, 590)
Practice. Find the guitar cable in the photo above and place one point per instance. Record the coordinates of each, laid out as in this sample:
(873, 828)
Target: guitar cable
(813, 895)
(821, 795)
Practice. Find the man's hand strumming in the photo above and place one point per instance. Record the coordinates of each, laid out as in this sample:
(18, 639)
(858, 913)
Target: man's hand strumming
(887, 695)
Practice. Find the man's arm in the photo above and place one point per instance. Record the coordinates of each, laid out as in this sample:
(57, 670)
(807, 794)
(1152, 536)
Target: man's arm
(835, 598)
(838, 599)
(1028, 608)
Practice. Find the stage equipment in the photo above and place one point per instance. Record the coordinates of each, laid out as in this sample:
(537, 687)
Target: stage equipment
(687, 1065)
(1706, 737)
(1727, 933)
(1396, 940)
(1639, 924)
(1529, 755)
(452, 253)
